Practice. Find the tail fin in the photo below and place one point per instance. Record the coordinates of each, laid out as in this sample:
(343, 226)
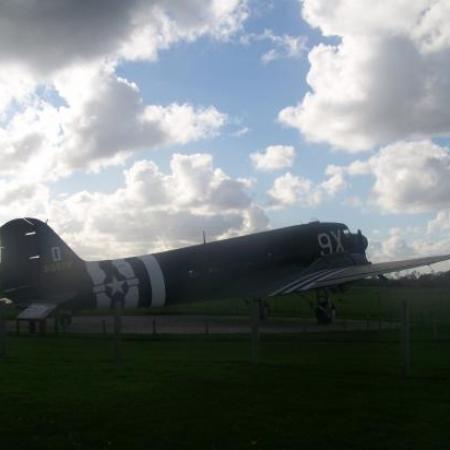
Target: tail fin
(29, 249)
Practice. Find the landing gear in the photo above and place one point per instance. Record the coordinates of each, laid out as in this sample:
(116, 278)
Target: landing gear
(324, 309)
(263, 308)
(65, 318)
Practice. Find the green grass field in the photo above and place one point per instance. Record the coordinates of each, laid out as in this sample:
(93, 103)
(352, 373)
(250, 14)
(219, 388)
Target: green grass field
(356, 303)
(340, 390)
(317, 391)
(426, 304)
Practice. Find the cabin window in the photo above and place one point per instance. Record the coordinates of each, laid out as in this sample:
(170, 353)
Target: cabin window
(192, 273)
(56, 254)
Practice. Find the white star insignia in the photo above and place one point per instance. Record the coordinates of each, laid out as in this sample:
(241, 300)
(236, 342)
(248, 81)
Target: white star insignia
(116, 286)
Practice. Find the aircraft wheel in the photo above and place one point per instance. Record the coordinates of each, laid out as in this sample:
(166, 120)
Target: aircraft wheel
(324, 310)
(323, 315)
(65, 319)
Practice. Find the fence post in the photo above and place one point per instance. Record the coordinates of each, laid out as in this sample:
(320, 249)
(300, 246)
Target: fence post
(254, 306)
(434, 328)
(379, 310)
(405, 339)
(2, 333)
(117, 336)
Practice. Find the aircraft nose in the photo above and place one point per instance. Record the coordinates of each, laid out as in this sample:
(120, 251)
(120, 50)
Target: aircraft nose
(363, 241)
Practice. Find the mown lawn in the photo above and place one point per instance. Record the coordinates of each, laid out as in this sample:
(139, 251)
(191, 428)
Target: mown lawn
(312, 392)
(426, 305)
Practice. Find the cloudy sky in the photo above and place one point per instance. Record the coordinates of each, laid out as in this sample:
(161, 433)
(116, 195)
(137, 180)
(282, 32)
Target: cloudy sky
(134, 125)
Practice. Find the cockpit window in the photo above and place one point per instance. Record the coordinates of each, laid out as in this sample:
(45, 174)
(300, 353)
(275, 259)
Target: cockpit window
(346, 231)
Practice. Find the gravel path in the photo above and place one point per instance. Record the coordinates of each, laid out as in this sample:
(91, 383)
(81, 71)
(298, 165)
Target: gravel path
(198, 324)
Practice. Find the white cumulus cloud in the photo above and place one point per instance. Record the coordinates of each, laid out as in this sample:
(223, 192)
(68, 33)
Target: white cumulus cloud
(40, 38)
(386, 80)
(275, 157)
(63, 107)
(44, 35)
(406, 243)
(93, 117)
(154, 210)
(284, 46)
(103, 121)
(409, 177)
(289, 189)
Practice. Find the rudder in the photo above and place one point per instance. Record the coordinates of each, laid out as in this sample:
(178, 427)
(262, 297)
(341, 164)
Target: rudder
(31, 251)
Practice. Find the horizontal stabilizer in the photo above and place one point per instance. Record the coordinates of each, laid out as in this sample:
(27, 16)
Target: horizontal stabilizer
(37, 311)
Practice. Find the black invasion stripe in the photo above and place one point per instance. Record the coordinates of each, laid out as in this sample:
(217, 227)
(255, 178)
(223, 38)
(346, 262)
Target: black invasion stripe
(145, 290)
(87, 298)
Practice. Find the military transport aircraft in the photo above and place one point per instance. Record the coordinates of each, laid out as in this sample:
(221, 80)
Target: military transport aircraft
(37, 266)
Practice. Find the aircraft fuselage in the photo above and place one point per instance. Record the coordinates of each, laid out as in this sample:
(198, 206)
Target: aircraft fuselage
(36, 265)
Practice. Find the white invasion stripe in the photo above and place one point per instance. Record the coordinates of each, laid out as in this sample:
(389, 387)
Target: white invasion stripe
(308, 280)
(309, 285)
(156, 279)
(98, 278)
(97, 275)
(302, 279)
(305, 278)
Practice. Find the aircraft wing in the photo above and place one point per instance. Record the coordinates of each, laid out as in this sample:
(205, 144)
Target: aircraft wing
(340, 275)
